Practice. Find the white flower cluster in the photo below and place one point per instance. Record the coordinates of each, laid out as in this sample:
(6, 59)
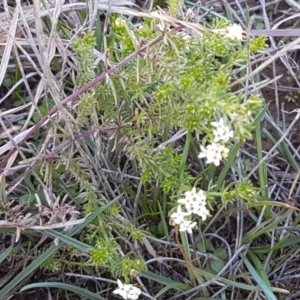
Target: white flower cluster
(234, 32)
(214, 153)
(222, 133)
(127, 291)
(120, 23)
(194, 203)
(217, 150)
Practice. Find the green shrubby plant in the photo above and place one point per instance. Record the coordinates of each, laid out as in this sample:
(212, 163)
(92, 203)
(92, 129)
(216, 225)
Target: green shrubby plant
(183, 82)
(174, 6)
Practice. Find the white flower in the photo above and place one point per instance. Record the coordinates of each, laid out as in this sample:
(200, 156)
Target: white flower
(187, 225)
(213, 153)
(127, 291)
(234, 32)
(178, 217)
(195, 203)
(222, 133)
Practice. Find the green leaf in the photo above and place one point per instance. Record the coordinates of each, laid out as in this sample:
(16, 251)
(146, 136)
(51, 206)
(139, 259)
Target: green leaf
(248, 206)
(221, 253)
(217, 265)
(203, 244)
(209, 270)
(209, 245)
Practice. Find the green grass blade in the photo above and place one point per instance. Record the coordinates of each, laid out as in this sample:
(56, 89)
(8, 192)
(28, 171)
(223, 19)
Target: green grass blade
(247, 206)
(263, 228)
(5, 254)
(69, 240)
(269, 294)
(163, 220)
(229, 162)
(185, 155)
(282, 147)
(165, 281)
(287, 242)
(175, 286)
(261, 249)
(98, 32)
(259, 267)
(3, 198)
(59, 285)
(239, 285)
(262, 170)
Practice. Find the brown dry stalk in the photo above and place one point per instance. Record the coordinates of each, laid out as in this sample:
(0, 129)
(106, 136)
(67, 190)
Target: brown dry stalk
(276, 32)
(189, 263)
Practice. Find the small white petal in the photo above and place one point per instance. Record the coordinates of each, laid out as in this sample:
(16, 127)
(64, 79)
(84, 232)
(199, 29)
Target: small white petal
(182, 200)
(216, 162)
(120, 284)
(120, 292)
(187, 226)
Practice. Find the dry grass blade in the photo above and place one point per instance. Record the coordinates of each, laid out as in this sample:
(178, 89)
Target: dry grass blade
(4, 280)
(276, 32)
(291, 46)
(9, 44)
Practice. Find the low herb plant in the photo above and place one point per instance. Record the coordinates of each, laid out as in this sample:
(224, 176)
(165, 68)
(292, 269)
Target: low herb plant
(180, 85)
(177, 127)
